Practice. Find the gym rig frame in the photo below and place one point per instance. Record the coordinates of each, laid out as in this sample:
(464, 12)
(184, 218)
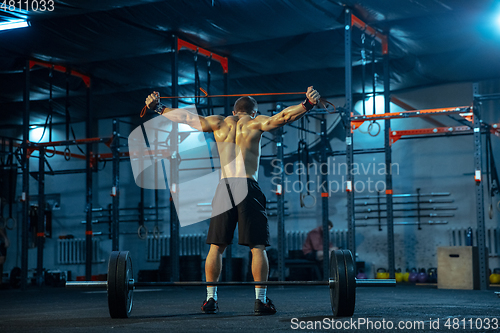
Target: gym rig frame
(351, 122)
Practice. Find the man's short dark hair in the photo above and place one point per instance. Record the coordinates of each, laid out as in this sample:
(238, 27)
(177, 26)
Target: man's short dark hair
(245, 104)
(330, 224)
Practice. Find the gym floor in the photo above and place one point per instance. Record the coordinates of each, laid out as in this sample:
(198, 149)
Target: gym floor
(178, 310)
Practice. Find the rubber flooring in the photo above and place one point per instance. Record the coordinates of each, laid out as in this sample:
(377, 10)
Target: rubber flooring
(306, 309)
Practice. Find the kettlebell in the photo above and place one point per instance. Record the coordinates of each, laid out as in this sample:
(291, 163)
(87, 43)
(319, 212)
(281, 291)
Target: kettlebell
(413, 275)
(406, 275)
(422, 276)
(495, 277)
(381, 273)
(361, 275)
(399, 276)
(432, 275)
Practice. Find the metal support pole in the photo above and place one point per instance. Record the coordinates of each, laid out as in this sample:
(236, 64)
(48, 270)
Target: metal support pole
(227, 106)
(174, 168)
(40, 230)
(228, 267)
(478, 159)
(378, 212)
(418, 209)
(351, 241)
(88, 187)
(388, 169)
(115, 192)
(26, 178)
(12, 162)
(156, 191)
(324, 200)
(157, 206)
(280, 197)
(141, 207)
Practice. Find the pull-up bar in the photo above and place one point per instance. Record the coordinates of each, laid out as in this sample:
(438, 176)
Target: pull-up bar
(59, 68)
(396, 135)
(358, 120)
(436, 131)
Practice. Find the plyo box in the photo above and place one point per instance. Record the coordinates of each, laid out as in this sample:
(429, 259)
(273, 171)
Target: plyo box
(458, 267)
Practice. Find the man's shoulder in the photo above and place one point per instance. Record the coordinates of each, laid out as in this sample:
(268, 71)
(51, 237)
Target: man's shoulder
(217, 116)
(261, 118)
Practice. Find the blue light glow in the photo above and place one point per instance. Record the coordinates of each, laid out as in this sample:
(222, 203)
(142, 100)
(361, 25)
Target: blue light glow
(379, 105)
(36, 134)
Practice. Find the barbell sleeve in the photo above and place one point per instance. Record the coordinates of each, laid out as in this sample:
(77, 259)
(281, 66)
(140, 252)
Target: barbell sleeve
(86, 284)
(375, 282)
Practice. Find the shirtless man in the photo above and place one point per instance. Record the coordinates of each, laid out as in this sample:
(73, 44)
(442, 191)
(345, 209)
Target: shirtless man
(239, 134)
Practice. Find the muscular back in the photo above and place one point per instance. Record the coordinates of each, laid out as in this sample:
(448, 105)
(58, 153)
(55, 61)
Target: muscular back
(238, 136)
(238, 143)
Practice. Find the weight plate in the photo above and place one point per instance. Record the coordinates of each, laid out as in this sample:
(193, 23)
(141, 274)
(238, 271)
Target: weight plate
(350, 268)
(334, 287)
(342, 283)
(112, 297)
(338, 291)
(124, 294)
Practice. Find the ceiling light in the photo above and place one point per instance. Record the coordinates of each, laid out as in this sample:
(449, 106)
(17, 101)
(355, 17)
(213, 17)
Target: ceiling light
(13, 24)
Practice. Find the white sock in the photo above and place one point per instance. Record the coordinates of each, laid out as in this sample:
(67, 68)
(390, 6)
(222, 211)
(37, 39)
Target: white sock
(212, 293)
(260, 293)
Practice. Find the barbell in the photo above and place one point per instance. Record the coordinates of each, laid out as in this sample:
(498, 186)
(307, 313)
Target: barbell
(342, 284)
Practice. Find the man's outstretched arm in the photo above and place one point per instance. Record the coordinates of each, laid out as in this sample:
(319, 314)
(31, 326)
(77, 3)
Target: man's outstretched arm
(290, 114)
(204, 124)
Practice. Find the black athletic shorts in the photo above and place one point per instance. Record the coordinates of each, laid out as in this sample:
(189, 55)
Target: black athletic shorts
(230, 205)
(3, 250)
